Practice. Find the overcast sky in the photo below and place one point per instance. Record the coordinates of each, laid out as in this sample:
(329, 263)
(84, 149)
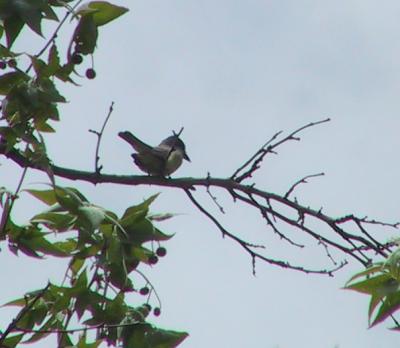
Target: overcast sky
(233, 73)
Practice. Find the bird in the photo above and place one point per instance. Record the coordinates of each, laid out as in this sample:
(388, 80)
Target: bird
(161, 160)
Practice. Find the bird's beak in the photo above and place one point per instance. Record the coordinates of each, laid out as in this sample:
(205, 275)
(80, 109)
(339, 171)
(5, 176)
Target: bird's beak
(186, 157)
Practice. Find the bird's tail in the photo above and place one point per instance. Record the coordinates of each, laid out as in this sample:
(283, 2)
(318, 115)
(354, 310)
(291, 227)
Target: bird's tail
(136, 143)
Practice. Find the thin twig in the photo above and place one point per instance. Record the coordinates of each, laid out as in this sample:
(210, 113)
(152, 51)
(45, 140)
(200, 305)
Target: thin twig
(256, 154)
(264, 214)
(254, 255)
(214, 198)
(151, 284)
(55, 33)
(99, 135)
(86, 328)
(254, 162)
(14, 323)
(301, 181)
(12, 200)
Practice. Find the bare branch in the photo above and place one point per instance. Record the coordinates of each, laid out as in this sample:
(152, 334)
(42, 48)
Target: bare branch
(254, 162)
(301, 181)
(254, 255)
(99, 135)
(214, 198)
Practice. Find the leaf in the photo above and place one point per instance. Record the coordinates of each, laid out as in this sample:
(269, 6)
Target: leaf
(76, 264)
(140, 208)
(85, 35)
(44, 246)
(68, 198)
(393, 264)
(90, 216)
(20, 302)
(161, 217)
(49, 13)
(145, 335)
(389, 306)
(103, 12)
(373, 303)
(378, 267)
(31, 15)
(40, 335)
(30, 11)
(82, 281)
(53, 61)
(11, 79)
(12, 341)
(46, 196)
(59, 222)
(382, 284)
(49, 92)
(160, 338)
(12, 27)
(116, 309)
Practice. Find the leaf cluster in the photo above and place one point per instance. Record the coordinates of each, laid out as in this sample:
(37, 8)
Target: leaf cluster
(105, 253)
(381, 282)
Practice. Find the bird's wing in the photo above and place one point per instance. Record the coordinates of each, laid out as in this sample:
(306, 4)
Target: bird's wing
(136, 143)
(162, 151)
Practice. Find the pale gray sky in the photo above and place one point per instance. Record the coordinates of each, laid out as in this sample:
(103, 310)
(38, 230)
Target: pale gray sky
(233, 73)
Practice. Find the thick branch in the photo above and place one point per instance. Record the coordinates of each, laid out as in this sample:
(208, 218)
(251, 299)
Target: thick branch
(355, 245)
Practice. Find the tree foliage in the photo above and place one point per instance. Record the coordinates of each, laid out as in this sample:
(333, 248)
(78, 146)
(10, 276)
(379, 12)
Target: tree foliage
(104, 250)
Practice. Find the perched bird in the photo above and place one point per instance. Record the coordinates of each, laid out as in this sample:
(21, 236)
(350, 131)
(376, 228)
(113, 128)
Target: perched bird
(161, 160)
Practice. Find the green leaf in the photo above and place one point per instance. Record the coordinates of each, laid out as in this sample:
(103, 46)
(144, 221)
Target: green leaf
(44, 127)
(116, 309)
(49, 92)
(76, 264)
(141, 208)
(373, 303)
(11, 79)
(378, 267)
(145, 335)
(55, 221)
(12, 27)
(46, 196)
(68, 198)
(65, 71)
(49, 13)
(103, 12)
(393, 264)
(161, 217)
(85, 35)
(4, 51)
(160, 338)
(119, 277)
(82, 281)
(20, 302)
(379, 285)
(37, 336)
(31, 14)
(389, 306)
(90, 216)
(12, 341)
(44, 246)
(53, 61)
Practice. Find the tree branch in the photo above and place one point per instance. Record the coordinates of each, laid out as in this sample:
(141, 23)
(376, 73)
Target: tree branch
(14, 324)
(99, 135)
(279, 211)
